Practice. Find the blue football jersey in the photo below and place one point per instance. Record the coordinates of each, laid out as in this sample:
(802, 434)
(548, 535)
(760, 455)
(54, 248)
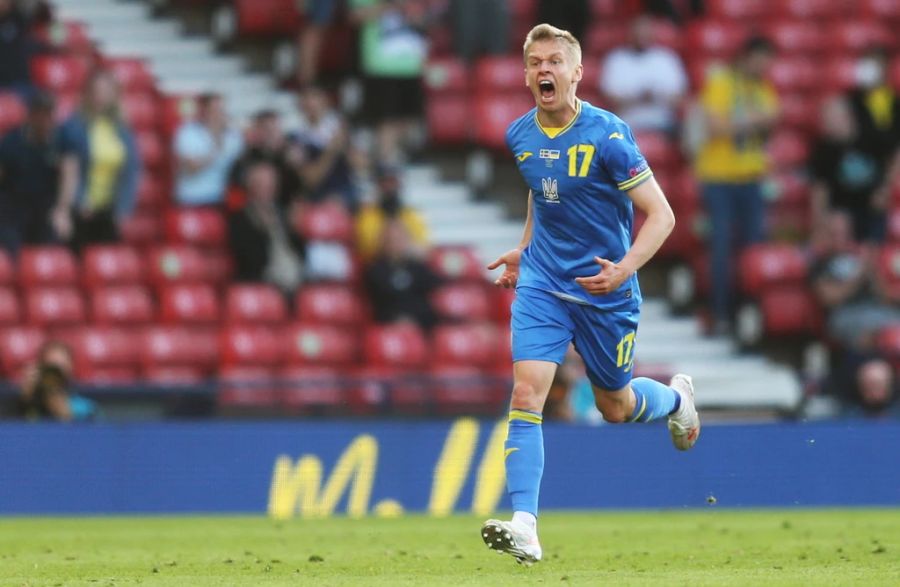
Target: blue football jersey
(578, 179)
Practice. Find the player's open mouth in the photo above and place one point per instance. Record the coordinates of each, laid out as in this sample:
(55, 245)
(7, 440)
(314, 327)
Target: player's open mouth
(548, 90)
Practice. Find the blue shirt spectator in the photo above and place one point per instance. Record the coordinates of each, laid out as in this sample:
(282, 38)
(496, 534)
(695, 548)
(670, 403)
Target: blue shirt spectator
(206, 149)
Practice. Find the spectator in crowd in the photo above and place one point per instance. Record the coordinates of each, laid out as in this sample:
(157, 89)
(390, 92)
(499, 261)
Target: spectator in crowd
(857, 310)
(645, 82)
(373, 218)
(31, 159)
(569, 15)
(266, 141)
(480, 27)
(324, 163)
(264, 248)
(399, 281)
(875, 105)
(319, 16)
(101, 178)
(393, 48)
(848, 173)
(45, 393)
(739, 108)
(17, 44)
(205, 149)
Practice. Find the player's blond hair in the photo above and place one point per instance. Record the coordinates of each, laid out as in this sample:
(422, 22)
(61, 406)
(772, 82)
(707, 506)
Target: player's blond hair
(547, 32)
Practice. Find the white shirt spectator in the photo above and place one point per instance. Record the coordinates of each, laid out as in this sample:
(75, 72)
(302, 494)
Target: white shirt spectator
(646, 83)
(206, 185)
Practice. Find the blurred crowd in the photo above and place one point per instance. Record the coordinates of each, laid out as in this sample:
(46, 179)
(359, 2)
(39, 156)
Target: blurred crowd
(75, 181)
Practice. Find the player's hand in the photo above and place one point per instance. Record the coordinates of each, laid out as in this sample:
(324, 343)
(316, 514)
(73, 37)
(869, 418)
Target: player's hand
(610, 277)
(510, 260)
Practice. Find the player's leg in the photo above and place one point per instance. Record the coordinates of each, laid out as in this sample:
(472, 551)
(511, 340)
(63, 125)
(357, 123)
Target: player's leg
(606, 342)
(541, 332)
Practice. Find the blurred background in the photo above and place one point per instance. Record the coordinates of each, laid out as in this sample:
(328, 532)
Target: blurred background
(283, 208)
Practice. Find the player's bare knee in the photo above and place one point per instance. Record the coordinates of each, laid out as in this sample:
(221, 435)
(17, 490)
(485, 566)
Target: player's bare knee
(525, 396)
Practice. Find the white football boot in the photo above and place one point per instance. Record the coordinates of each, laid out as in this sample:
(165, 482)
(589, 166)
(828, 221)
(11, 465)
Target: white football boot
(515, 538)
(684, 424)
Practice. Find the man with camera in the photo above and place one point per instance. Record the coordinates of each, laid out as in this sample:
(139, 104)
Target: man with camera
(45, 391)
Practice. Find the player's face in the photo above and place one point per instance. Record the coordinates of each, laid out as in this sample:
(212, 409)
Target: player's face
(551, 74)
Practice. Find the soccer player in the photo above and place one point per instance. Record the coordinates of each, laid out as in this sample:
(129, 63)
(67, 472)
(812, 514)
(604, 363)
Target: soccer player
(575, 274)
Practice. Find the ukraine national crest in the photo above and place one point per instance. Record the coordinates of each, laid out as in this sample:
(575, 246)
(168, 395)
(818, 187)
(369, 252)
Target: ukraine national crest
(551, 193)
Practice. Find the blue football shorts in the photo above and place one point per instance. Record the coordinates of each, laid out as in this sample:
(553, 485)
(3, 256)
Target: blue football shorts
(543, 325)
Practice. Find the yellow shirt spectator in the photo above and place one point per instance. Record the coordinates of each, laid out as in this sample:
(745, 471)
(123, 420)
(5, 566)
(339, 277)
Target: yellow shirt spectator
(107, 158)
(734, 159)
(370, 223)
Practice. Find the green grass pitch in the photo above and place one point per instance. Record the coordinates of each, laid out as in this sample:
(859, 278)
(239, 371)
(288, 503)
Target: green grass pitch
(712, 547)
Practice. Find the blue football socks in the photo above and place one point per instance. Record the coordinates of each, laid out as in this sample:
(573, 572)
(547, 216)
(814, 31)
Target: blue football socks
(653, 400)
(524, 457)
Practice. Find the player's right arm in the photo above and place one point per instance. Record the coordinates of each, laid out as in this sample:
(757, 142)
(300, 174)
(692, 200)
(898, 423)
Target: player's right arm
(511, 259)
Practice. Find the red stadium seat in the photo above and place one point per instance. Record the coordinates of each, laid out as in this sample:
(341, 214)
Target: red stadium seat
(7, 272)
(151, 150)
(151, 193)
(9, 306)
(140, 110)
(658, 150)
(893, 228)
(19, 346)
(168, 346)
(99, 348)
(459, 390)
(456, 263)
(176, 264)
(493, 113)
(787, 150)
(111, 264)
(797, 36)
(767, 265)
(397, 346)
(267, 17)
(121, 304)
(523, 9)
(54, 306)
(793, 188)
(59, 73)
(307, 388)
(69, 36)
(502, 304)
(815, 9)
(168, 376)
(47, 265)
(12, 111)
(740, 10)
(600, 38)
(329, 304)
(219, 266)
(449, 75)
(852, 37)
(886, 10)
(462, 302)
(142, 228)
(328, 221)
(888, 342)
(500, 74)
(472, 345)
(714, 38)
(203, 227)
(194, 303)
(895, 74)
(132, 74)
(795, 74)
(449, 118)
(839, 75)
(789, 311)
(255, 304)
(313, 344)
(800, 112)
(247, 386)
(251, 345)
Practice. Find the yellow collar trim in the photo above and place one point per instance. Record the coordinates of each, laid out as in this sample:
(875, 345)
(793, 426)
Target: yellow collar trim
(555, 132)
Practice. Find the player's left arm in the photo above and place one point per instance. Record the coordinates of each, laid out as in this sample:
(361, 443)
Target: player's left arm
(650, 199)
